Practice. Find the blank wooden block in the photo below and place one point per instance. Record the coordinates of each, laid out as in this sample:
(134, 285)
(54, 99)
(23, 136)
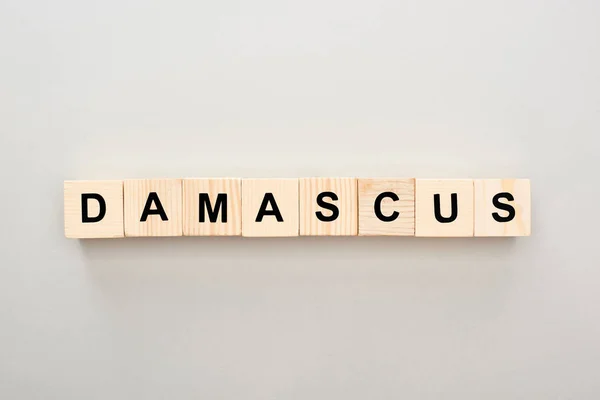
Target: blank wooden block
(212, 207)
(450, 221)
(328, 207)
(502, 207)
(270, 207)
(93, 209)
(386, 207)
(156, 195)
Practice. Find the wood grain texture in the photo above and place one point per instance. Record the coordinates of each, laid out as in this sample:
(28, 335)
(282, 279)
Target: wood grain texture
(111, 225)
(213, 187)
(136, 193)
(347, 222)
(369, 190)
(485, 224)
(425, 222)
(285, 194)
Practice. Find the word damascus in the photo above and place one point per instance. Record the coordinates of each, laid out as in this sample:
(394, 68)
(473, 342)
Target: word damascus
(297, 207)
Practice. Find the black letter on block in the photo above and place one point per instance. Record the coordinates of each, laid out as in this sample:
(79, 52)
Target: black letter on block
(438, 213)
(378, 213)
(269, 198)
(153, 197)
(213, 213)
(85, 218)
(504, 207)
(335, 212)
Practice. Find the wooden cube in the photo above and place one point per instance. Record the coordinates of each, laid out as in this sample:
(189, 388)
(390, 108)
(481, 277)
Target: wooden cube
(328, 207)
(212, 207)
(444, 208)
(270, 207)
(93, 209)
(386, 207)
(502, 207)
(153, 207)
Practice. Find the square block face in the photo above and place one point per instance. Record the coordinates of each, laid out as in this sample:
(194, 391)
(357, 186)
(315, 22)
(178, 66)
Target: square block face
(93, 209)
(386, 207)
(502, 207)
(328, 207)
(272, 201)
(444, 208)
(212, 207)
(153, 207)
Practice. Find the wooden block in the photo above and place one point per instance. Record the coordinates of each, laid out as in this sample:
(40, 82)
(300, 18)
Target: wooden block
(386, 207)
(153, 207)
(270, 207)
(212, 207)
(328, 207)
(444, 208)
(502, 207)
(93, 209)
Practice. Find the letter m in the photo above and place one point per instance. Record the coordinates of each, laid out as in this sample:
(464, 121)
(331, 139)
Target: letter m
(213, 213)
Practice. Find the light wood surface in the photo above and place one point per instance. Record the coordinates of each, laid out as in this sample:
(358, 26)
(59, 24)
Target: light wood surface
(285, 194)
(486, 207)
(136, 192)
(368, 222)
(347, 222)
(425, 222)
(110, 226)
(485, 224)
(213, 187)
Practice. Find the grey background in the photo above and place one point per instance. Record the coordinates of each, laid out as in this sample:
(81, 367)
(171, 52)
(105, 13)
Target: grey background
(125, 89)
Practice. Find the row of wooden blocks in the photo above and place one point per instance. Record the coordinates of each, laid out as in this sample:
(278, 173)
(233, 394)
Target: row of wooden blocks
(293, 207)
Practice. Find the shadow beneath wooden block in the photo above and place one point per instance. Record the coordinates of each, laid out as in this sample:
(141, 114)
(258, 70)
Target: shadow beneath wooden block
(222, 274)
